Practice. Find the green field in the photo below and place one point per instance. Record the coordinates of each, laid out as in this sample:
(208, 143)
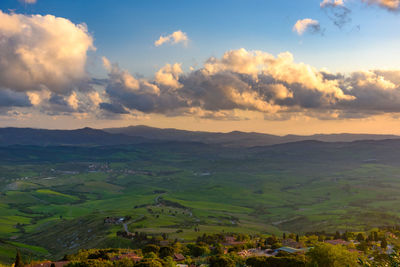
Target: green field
(54, 200)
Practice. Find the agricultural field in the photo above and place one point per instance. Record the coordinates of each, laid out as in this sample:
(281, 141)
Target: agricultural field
(55, 200)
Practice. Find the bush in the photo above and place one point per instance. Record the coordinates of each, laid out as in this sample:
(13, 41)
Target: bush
(221, 261)
(198, 250)
(166, 252)
(151, 248)
(290, 261)
(148, 263)
(328, 255)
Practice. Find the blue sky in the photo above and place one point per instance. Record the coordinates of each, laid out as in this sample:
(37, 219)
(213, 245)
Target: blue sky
(342, 79)
(125, 31)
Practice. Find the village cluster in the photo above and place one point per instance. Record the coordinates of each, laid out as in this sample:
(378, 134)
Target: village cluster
(377, 247)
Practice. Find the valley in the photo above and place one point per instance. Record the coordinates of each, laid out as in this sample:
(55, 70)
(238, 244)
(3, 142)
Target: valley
(55, 199)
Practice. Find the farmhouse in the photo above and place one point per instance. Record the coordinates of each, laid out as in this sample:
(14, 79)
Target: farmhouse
(179, 257)
(131, 255)
(231, 241)
(337, 242)
(113, 220)
(255, 252)
(292, 243)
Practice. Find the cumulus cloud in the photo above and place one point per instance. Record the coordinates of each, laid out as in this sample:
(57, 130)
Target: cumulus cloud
(43, 53)
(253, 81)
(173, 38)
(169, 75)
(77, 103)
(303, 25)
(42, 68)
(10, 99)
(239, 80)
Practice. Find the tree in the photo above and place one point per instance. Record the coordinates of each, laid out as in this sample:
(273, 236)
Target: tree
(198, 250)
(150, 255)
(165, 236)
(18, 260)
(360, 237)
(100, 254)
(375, 236)
(345, 236)
(284, 236)
(151, 248)
(218, 249)
(271, 240)
(221, 261)
(289, 261)
(297, 238)
(169, 262)
(337, 235)
(384, 243)
(257, 261)
(328, 255)
(149, 263)
(166, 251)
(363, 246)
(124, 263)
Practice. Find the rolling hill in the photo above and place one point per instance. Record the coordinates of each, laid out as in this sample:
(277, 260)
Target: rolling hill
(236, 138)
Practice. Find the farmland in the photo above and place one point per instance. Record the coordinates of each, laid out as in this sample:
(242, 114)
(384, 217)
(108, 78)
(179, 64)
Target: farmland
(54, 200)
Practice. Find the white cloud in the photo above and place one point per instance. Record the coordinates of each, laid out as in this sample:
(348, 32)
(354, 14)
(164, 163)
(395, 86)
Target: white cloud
(326, 3)
(29, 1)
(173, 38)
(43, 52)
(388, 4)
(73, 101)
(303, 25)
(95, 98)
(169, 75)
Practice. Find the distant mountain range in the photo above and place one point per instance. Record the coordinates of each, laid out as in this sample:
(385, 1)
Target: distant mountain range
(237, 138)
(79, 137)
(145, 134)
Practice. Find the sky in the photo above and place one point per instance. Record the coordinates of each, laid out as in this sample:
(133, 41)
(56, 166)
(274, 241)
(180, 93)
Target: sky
(279, 67)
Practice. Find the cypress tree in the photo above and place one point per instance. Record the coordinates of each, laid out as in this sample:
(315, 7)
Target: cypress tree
(375, 236)
(18, 260)
(384, 243)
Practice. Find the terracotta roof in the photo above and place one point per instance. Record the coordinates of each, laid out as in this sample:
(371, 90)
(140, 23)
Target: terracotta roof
(179, 257)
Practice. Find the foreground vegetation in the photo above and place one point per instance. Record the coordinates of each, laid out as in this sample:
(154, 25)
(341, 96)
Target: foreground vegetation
(377, 247)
